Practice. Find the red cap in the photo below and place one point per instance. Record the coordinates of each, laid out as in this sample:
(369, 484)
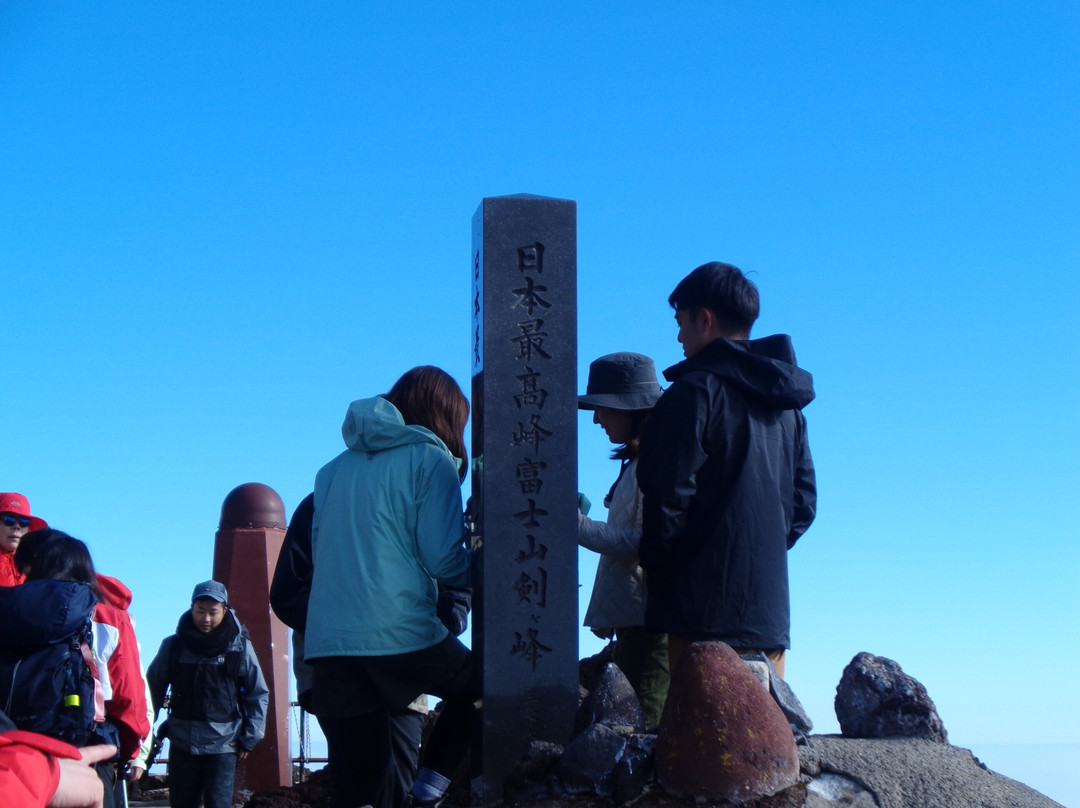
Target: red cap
(20, 506)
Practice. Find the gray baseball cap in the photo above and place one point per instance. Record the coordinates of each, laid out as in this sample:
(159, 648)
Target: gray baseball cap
(210, 589)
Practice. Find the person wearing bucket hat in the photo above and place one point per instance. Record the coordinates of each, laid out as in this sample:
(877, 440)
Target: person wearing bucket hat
(621, 392)
(15, 522)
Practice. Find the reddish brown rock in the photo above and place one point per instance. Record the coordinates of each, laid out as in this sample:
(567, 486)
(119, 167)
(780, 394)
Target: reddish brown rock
(722, 736)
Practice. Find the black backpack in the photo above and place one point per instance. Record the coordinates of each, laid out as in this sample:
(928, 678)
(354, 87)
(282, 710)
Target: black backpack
(48, 675)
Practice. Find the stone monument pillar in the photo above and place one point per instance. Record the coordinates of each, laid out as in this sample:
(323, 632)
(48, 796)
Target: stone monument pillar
(524, 483)
(246, 548)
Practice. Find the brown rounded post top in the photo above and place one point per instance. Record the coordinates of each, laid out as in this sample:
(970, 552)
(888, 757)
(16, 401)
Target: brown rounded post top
(252, 505)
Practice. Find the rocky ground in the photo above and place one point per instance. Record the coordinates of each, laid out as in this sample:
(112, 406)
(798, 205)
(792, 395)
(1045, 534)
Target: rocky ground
(893, 752)
(835, 772)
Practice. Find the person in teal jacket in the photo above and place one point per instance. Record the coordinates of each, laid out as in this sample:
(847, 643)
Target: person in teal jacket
(387, 531)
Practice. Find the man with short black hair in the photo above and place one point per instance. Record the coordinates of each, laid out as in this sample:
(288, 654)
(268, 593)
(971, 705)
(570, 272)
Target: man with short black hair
(217, 706)
(726, 474)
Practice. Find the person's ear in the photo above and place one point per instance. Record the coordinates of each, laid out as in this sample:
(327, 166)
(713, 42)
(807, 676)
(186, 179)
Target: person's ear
(707, 321)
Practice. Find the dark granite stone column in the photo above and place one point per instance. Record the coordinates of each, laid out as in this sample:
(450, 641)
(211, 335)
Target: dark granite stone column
(525, 478)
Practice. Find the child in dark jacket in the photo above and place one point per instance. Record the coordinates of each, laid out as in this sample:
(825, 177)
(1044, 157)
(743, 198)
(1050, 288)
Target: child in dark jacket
(218, 701)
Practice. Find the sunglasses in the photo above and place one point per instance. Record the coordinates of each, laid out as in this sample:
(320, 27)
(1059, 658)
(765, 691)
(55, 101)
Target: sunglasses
(11, 521)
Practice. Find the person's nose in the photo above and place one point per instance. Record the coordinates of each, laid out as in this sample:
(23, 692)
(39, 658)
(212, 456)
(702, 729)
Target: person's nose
(596, 417)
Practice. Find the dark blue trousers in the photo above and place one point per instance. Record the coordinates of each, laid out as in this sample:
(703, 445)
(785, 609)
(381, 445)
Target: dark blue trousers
(207, 779)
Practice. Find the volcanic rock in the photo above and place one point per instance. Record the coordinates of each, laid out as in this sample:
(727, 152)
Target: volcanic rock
(535, 777)
(876, 699)
(588, 764)
(611, 702)
(722, 736)
(635, 768)
(785, 697)
(590, 668)
(912, 773)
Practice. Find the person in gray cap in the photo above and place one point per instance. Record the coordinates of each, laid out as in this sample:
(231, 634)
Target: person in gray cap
(217, 702)
(621, 392)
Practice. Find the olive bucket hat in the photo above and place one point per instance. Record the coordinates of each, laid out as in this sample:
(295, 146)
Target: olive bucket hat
(621, 381)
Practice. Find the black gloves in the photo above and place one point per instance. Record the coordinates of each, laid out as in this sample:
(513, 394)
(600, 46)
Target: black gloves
(452, 609)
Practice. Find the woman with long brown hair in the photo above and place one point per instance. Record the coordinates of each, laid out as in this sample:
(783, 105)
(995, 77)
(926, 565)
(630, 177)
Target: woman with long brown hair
(387, 531)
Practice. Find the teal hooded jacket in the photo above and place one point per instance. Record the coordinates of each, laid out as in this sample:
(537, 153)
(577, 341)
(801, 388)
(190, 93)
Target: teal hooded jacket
(387, 529)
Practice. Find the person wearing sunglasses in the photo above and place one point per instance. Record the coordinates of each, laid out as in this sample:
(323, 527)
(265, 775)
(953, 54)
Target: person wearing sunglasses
(15, 522)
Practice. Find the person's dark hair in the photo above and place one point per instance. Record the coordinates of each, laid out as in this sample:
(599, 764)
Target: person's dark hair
(429, 397)
(54, 555)
(632, 447)
(725, 291)
(28, 546)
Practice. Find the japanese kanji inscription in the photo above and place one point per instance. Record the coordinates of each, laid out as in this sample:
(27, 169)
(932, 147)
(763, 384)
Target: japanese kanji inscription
(524, 333)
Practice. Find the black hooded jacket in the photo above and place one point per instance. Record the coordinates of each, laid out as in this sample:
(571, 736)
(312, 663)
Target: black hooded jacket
(728, 483)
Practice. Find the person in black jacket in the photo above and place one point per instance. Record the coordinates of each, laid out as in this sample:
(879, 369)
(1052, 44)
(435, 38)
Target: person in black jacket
(726, 474)
(217, 699)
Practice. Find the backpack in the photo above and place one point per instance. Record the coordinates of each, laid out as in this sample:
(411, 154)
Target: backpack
(48, 675)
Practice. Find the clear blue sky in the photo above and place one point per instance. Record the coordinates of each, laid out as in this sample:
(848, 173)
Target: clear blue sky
(220, 223)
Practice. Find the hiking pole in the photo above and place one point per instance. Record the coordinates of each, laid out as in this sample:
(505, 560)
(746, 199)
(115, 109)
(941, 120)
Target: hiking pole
(121, 778)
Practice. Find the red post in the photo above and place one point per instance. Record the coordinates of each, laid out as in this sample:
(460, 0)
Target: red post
(246, 548)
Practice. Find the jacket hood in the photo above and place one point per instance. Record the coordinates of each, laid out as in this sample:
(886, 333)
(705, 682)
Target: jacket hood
(114, 591)
(374, 425)
(764, 368)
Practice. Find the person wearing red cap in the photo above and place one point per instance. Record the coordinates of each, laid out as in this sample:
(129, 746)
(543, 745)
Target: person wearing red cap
(15, 522)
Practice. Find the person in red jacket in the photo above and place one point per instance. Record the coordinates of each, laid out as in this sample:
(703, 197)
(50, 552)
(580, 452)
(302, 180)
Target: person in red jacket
(38, 771)
(15, 522)
(122, 678)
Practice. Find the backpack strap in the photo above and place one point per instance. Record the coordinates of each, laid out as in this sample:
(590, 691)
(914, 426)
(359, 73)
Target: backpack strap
(234, 668)
(234, 664)
(171, 670)
(99, 692)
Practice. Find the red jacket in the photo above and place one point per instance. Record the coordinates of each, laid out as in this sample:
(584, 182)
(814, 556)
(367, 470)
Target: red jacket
(9, 576)
(119, 668)
(29, 772)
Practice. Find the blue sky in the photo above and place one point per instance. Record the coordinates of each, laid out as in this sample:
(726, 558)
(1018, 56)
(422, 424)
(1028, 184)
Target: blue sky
(220, 223)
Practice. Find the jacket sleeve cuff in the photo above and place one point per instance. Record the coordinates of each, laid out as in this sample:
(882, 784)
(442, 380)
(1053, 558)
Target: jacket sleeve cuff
(43, 743)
